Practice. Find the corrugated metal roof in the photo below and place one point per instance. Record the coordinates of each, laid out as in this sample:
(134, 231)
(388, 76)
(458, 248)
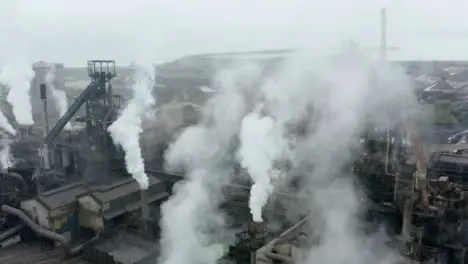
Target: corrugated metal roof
(127, 208)
(442, 85)
(62, 196)
(123, 188)
(103, 194)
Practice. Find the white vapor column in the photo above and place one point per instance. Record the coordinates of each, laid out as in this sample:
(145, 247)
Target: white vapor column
(17, 75)
(260, 146)
(191, 219)
(126, 130)
(60, 97)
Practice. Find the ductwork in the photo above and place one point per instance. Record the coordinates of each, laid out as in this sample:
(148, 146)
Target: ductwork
(10, 232)
(264, 254)
(34, 227)
(18, 177)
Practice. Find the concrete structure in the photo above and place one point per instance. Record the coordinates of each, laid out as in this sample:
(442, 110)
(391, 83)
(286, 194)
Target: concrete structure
(102, 205)
(41, 70)
(67, 209)
(56, 210)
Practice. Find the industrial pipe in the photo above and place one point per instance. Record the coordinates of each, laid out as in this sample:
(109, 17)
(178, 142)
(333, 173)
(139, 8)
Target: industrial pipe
(145, 210)
(34, 227)
(279, 257)
(263, 254)
(11, 231)
(77, 249)
(20, 178)
(408, 216)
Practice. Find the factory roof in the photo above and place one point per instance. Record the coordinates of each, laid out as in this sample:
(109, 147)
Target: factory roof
(126, 247)
(441, 85)
(454, 159)
(126, 187)
(461, 76)
(62, 196)
(68, 194)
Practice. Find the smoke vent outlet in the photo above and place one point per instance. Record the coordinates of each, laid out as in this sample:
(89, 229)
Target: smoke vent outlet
(43, 91)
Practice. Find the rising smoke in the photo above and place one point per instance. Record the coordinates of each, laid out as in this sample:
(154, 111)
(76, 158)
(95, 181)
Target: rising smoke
(261, 144)
(5, 125)
(17, 75)
(191, 219)
(7, 131)
(60, 97)
(126, 130)
(6, 159)
(344, 94)
(330, 100)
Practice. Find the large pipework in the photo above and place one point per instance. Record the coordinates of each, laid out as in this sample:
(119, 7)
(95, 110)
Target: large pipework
(10, 232)
(265, 254)
(34, 227)
(19, 178)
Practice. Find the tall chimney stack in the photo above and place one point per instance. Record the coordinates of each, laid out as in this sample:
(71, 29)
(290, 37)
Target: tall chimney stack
(45, 150)
(383, 34)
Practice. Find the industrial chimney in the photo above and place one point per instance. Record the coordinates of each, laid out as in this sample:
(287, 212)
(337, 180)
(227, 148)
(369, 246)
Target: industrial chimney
(383, 34)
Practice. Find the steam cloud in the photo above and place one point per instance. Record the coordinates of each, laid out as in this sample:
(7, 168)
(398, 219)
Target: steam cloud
(260, 146)
(60, 97)
(309, 113)
(5, 155)
(190, 218)
(17, 76)
(344, 94)
(126, 130)
(5, 124)
(8, 130)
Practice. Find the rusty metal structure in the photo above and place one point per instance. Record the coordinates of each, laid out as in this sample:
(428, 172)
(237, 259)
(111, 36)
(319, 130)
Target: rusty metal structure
(80, 194)
(79, 205)
(423, 189)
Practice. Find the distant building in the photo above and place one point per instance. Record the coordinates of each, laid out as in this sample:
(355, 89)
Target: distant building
(460, 76)
(440, 86)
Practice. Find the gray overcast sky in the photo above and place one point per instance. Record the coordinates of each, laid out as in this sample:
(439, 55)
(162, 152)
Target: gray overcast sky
(75, 31)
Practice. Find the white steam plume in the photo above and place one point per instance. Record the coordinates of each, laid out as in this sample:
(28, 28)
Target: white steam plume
(5, 124)
(8, 131)
(60, 97)
(190, 218)
(17, 75)
(342, 98)
(126, 130)
(6, 160)
(260, 146)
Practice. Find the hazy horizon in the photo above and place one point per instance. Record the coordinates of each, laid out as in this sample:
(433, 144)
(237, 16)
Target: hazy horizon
(74, 32)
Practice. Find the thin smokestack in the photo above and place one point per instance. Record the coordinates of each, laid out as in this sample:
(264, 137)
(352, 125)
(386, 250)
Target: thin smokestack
(43, 94)
(383, 34)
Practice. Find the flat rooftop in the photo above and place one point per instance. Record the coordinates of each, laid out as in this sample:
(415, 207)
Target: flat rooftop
(128, 248)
